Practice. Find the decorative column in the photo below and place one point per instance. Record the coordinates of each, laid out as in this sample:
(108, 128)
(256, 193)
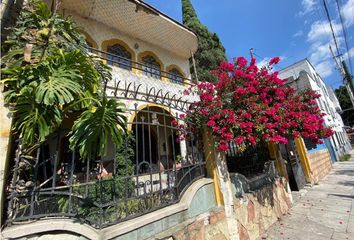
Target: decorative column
(210, 155)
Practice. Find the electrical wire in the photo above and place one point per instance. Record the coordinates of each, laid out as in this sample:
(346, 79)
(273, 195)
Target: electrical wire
(340, 6)
(330, 24)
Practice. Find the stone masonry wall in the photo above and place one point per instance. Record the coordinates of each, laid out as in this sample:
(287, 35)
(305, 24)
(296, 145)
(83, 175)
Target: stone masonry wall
(320, 163)
(256, 212)
(209, 226)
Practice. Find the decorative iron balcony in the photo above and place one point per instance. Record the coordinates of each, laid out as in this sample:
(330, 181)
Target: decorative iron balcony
(138, 67)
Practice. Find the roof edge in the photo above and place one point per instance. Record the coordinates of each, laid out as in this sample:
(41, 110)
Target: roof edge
(151, 8)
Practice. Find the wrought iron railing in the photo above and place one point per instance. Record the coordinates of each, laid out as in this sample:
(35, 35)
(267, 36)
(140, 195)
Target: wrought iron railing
(149, 70)
(151, 170)
(250, 162)
(243, 184)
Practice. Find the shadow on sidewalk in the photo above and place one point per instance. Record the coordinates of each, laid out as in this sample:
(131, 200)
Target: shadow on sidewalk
(347, 183)
(344, 172)
(342, 195)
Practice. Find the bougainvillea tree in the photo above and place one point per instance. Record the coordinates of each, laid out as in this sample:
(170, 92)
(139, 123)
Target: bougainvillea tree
(250, 105)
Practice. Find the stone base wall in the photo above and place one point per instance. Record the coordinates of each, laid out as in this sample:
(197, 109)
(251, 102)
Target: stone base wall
(257, 211)
(209, 226)
(320, 163)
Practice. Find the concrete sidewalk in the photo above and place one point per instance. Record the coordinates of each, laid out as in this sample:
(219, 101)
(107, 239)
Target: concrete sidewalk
(324, 211)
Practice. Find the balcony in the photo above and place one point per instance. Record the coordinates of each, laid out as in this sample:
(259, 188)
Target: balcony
(132, 78)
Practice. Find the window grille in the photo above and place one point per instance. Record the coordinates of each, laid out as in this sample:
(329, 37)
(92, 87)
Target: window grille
(175, 76)
(151, 67)
(119, 56)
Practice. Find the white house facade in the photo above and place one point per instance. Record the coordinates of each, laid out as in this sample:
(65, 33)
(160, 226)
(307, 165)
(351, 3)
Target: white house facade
(302, 75)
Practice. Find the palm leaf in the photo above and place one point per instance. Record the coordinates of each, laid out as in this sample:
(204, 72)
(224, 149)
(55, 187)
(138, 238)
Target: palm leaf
(59, 88)
(34, 122)
(94, 127)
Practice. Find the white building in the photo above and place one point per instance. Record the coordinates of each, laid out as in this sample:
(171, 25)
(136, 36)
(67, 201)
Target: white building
(302, 75)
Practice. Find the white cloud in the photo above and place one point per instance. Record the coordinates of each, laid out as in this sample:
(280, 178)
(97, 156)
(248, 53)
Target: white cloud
(308, 7)
(320, 38)
(263, 62)
(348, 12)
(319, 51)
(320, 54)
(321, 30)
(349, 54)
(298, 33)
(325, 68)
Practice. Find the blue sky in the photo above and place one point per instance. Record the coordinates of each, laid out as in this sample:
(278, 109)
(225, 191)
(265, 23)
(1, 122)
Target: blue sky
(291, 29)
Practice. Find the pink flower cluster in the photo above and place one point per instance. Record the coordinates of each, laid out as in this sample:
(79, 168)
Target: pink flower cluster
(248, 105)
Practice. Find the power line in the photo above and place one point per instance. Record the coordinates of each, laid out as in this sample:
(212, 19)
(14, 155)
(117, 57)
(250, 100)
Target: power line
(330, 23)
(257, 55)
(339, 6)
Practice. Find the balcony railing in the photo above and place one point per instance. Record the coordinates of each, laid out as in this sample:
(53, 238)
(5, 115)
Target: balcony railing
(149, 70)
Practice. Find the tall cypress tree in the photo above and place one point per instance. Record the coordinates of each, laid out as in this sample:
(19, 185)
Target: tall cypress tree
(210, 52)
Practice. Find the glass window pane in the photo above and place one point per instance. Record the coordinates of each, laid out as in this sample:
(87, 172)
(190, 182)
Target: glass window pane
(175, 76)
(119, 56)
(151, 67)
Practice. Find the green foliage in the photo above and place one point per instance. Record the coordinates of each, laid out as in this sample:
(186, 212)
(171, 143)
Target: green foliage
(210, 52)
(345, 103)
(125, 167)
(344, 158)
(47, 73)
(95, 126)
(118, 187)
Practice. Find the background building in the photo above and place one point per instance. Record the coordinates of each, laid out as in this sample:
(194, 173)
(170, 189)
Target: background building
(302, 75)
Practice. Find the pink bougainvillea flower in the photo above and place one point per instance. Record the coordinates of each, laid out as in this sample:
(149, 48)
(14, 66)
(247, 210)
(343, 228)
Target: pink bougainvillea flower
(250, 105)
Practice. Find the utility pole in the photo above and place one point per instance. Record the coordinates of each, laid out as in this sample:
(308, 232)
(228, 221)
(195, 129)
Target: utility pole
(348, 81)
(251, 52)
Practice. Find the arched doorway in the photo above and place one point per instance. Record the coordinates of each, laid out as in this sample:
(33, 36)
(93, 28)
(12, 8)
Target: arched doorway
(157, 148)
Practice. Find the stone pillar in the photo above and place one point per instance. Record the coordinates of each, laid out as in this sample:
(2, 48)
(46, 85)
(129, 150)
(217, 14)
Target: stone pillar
(305, 163)
(210, 155)
(279, 162)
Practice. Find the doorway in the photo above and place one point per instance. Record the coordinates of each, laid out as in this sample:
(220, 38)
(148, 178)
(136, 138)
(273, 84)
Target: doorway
(293, 166)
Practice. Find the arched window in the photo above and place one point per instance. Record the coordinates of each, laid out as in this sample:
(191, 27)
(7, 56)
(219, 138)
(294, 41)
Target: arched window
(90, 45)
(151, 67)
(117, 55)
(175, 76)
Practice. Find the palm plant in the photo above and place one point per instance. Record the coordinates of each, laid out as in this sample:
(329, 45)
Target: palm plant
(48, 73)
